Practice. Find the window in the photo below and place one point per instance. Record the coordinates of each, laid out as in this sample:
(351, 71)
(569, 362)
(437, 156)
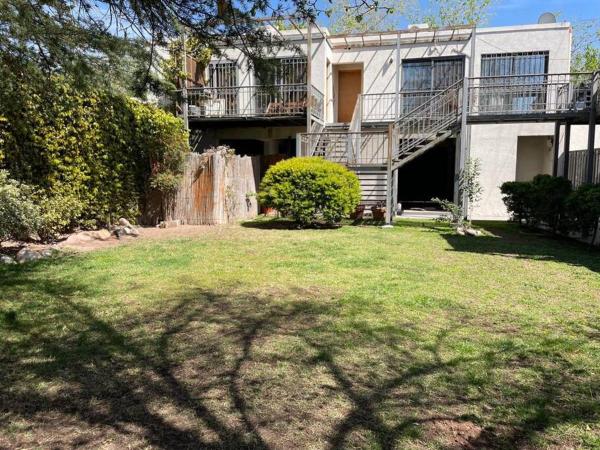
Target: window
(516, 82)
(288, 91)
(421, 79)
(223, 84)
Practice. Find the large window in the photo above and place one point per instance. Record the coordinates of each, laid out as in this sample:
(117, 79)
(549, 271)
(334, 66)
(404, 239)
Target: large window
(286, 92)
(421, 79)
(515, 82)
(223, 81)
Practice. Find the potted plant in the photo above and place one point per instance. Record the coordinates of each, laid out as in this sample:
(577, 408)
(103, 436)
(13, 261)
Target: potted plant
(358, 213)
(378, 211)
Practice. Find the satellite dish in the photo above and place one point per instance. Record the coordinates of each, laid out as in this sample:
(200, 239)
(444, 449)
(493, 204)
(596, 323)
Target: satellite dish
(547, 17)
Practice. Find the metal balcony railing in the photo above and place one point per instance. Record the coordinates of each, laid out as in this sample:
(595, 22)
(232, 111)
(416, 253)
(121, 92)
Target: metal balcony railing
(286, 100)
(530, 94)
(368, 148)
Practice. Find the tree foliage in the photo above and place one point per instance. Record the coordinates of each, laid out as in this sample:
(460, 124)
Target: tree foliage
(95, 151)
(442, 13)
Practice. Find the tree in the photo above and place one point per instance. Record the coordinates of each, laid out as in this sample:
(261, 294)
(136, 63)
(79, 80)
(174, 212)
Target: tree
(355, 16)
(585, 55)
(452, 12)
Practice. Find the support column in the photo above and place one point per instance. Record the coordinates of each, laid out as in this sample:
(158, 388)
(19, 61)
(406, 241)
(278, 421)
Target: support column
(566, 150)
(556, 148)
(398, 72)
(389, 179)
(184, 93)
(309, 77)
(592, 131)
(464, 141)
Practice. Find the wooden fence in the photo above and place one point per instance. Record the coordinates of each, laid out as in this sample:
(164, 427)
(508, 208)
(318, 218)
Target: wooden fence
(578, 167)
(217, 188)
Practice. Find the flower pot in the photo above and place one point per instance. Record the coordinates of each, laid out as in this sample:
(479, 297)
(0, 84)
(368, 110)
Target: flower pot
(378, 212)
(358, 213)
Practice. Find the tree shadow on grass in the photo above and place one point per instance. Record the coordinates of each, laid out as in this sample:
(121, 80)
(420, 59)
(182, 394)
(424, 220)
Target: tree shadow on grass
(505, 239)
(214, 369)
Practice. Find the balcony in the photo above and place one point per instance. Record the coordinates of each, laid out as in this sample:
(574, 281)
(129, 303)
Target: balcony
(528, 96)
(238, 102)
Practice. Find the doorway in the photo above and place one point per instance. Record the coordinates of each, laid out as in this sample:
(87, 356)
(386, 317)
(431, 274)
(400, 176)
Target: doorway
(349, 87)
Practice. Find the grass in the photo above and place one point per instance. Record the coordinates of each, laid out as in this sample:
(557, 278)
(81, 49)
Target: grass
(261, 337)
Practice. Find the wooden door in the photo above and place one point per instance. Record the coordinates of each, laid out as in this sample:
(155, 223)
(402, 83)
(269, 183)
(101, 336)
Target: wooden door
(349, 88)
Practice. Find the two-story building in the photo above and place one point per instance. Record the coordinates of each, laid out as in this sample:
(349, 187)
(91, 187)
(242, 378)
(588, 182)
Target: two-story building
(405, 109)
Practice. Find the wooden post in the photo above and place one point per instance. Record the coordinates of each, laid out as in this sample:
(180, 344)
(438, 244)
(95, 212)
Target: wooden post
(567, 148)
(309, 77)
(556, 148)
(389, 179)
(592, 131)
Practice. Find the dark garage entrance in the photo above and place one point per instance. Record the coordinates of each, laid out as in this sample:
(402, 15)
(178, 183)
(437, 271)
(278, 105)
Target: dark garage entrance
(428, 176)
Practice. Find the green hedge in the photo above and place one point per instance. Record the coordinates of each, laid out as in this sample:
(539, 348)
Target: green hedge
(552, 201)
(100, 151)
(310, 190)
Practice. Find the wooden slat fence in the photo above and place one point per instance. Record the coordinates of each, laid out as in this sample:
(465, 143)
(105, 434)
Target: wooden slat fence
(578, 167)
(217, 188)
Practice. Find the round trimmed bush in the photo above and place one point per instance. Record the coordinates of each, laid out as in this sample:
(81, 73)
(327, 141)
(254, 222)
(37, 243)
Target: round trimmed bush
(310, 190)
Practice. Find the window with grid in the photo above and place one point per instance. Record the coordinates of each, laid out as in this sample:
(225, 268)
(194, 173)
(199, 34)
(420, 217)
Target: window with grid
(223, 81)
(421, 79)
(288, 91)
(515, 82)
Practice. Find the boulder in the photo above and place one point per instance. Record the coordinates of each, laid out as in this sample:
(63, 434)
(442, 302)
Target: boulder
(87, 236)
(4, 259)
(125, 223)
(169, 223)
(472, 232)
(460, 231)
(26, 255)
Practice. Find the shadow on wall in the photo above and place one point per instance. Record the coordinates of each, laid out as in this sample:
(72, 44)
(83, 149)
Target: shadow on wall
(502, 238)
(214, 370)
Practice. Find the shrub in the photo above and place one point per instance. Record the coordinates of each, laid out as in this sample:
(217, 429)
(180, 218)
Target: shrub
(517, 196)
(549, 199)
(92, 154)
(310, 190)
(583, 208)
(542, 200)
(19, 215)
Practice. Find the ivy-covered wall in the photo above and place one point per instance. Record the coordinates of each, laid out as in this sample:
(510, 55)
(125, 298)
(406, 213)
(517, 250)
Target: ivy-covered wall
(100, 153)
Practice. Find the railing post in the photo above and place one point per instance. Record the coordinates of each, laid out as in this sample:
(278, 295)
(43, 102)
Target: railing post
(389, 179)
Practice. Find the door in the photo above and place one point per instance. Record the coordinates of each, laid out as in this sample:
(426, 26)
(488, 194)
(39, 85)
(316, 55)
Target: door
(349, 88)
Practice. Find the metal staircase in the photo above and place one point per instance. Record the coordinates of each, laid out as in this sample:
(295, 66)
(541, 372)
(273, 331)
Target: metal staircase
(427, 125)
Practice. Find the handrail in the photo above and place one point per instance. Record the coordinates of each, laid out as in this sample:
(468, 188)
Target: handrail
(427, 103)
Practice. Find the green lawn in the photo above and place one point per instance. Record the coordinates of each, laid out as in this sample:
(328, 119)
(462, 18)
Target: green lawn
(254, 337)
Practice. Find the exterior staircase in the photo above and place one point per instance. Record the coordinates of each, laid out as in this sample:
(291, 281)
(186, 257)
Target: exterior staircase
(426, 125)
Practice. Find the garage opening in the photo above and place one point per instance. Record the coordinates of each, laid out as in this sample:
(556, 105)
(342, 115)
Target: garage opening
(428, 176)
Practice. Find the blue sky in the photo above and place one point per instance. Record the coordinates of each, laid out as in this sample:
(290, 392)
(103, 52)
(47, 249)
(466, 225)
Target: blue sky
(520, 12)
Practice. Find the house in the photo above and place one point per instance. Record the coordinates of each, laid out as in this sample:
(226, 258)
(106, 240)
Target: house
(389, 105)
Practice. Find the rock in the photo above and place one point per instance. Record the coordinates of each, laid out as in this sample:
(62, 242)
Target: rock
(7, 260)
(125, 223)
(169, 223)
(26, 255)
(460, 231)
(472, 232)
(100, 235)
(48, 252)
(87, 236)
(125, 231)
